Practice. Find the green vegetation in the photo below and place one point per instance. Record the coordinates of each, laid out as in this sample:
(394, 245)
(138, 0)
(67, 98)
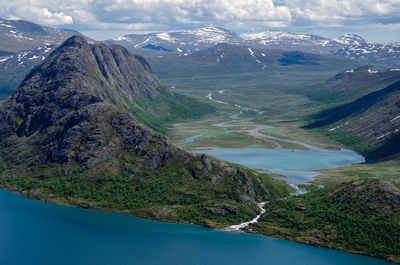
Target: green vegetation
(101, 158)
(383, 170)
(166, 108)
(349, 139)
(80, 145)
(356, 216)
(167, 193)
(361, 217)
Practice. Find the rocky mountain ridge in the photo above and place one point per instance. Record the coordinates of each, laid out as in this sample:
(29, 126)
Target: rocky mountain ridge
(69, 135)
(189, 41)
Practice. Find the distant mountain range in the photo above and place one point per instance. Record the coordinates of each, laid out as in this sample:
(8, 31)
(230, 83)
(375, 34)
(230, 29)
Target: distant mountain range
(19, 35)
(23, 45)
(222, 59)
(189, 41)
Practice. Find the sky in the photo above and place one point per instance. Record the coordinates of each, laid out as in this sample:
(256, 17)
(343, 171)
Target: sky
(375, 20)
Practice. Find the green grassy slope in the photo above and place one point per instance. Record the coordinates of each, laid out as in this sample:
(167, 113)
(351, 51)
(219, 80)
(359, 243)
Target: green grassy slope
(361, 217)
(167, 193)
(166, 108)
(368, 124)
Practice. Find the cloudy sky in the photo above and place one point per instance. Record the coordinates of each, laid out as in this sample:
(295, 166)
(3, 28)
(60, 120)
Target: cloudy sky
(375, 20)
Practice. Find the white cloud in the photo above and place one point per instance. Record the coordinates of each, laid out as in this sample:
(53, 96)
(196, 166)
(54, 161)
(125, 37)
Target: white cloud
(194, 10)
(56, 12)
(240, 15)
(44, 15)
(334, 11)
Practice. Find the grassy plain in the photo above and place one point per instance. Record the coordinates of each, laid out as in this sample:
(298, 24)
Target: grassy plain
(286, 99)
(283, 105)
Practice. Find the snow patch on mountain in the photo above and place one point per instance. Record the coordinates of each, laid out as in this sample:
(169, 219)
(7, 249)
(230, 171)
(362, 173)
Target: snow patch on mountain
(122, 38)
(350, 39)
(5, 59)
(348, 45)
(274, 35)
(251, 51)
(210, 34)
(165, 36)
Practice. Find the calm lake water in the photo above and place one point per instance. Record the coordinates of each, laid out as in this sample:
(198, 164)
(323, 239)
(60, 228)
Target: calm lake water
(292, 163)
(34, 232)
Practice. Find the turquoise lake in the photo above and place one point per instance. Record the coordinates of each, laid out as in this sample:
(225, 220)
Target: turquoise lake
(34, 232)
(292, 163)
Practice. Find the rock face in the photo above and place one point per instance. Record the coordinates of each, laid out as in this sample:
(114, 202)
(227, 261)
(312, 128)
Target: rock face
(67, 131)
(72, 101)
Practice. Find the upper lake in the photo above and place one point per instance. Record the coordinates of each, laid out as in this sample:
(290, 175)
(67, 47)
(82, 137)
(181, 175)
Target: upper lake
(292, 163)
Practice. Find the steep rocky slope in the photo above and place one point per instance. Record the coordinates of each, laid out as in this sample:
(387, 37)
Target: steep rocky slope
(69, 135)
(351, 84)
(370, 123)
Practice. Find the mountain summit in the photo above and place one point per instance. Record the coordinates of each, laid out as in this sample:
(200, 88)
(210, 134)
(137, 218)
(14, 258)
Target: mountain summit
(180, 41)
(68, 135)
(71, 94)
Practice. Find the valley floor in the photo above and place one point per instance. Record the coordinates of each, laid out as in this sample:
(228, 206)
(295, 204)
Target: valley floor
(275, 121)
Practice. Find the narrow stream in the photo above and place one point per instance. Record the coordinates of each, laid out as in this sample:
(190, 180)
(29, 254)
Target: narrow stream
(239, 227)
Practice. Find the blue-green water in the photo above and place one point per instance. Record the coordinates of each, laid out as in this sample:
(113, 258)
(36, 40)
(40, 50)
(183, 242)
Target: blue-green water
(34, 232)
(292, 163)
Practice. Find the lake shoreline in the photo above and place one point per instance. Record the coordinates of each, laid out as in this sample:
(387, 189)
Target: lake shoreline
(248, 230)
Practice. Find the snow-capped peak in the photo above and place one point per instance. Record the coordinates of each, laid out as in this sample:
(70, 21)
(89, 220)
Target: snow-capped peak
(122, 38)
(211, 30)
(189, 41)
(166, 36)
(210, 34)
(272, 37)
(350, 39)
(272, 34)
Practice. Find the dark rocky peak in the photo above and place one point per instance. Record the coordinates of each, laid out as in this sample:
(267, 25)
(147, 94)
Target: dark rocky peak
(73, 85)
(109, 73)
(363, 68)
(72, 105)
